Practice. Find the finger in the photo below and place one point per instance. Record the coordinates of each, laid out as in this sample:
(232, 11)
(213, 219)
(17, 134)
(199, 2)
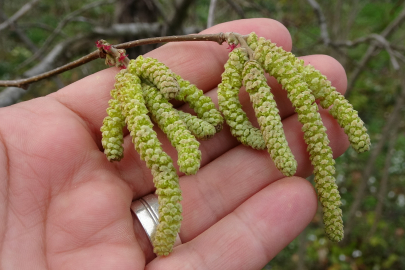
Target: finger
(252, 234)
(200, 62)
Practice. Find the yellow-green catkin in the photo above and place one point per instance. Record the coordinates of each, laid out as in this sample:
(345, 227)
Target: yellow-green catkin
(268, 117)
(148, 146)
(170, 209)
(202, 105)
(189, 156)
(341, 110)
(201, 129)
(276, 64)
(323, 90)
(157, 73)
(229, 104)
(111, 130)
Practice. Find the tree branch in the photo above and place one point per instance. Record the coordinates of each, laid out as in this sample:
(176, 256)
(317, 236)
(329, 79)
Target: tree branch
(219, 38)
(382, 41)
(11, 94)
(370, 51)
(14, 94)
(136, 29)
(321, 20)
(18, 14)
(211, 13)
(19, 32)
(59, 28)
(379, 39)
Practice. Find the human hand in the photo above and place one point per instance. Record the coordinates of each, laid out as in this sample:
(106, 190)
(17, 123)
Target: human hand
(64, 206)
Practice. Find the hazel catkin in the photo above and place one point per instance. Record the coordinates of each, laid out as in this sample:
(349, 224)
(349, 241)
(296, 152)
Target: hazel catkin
(189, 156)
(276, 63)
(323, 90)
(111, 130)
(201, 129)
(202, 105)
(229, 104)
(157, 73)
(146, 143)
(268, 117)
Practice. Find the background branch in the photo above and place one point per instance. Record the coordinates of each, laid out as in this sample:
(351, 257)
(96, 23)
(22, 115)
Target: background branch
(23, 37)
(24, 9)
(135, 29)
(60, 26)
(178, 17)
(211, 13)
(321, 20)
(371, 49)
(11, 94)
(219, 38)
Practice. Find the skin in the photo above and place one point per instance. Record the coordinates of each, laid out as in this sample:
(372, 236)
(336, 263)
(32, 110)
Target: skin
(64, 206)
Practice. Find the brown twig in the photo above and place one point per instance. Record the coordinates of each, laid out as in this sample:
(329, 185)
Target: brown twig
(219, 38)
(244, 44)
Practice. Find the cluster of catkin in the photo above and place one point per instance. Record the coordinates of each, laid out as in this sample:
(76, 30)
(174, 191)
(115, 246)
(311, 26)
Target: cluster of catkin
(142, 92)
(304, 85)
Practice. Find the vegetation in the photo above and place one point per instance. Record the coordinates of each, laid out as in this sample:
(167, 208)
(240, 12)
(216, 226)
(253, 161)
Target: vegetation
(372, 185)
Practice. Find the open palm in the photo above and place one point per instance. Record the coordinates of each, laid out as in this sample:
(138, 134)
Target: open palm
(64, 206)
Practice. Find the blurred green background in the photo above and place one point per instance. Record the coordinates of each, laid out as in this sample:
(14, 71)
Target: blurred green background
(366, 37)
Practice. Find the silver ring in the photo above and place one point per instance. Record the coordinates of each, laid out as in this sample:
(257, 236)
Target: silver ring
(146, 209)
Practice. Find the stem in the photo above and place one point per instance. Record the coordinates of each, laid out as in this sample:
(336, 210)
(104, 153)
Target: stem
(244, 44)
(235, 38)
(23, 83)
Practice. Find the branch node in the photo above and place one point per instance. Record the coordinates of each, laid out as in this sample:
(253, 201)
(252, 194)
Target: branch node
(113, 56)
